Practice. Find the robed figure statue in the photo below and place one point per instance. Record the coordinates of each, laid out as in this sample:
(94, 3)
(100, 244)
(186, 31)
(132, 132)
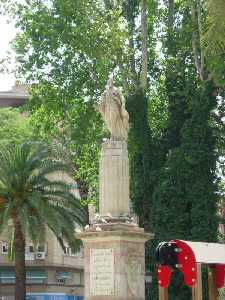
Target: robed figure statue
(112, 108)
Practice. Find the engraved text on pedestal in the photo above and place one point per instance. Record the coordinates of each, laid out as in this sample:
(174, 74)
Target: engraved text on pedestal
(101, 272)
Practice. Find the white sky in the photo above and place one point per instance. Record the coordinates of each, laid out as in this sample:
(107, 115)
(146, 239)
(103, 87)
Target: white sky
(7, 33)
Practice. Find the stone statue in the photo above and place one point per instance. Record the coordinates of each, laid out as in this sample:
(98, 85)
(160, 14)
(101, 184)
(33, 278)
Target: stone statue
(112, 108)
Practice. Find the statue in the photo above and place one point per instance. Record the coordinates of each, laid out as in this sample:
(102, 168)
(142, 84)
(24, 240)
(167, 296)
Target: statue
(113, 111)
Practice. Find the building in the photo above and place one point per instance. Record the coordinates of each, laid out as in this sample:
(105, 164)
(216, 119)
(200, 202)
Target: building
(50, 273)
(16, 97)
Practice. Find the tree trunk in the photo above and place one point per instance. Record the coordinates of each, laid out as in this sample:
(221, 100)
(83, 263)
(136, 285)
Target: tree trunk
(19, 246)
(171, 11)
(144, 45)
(196, 39)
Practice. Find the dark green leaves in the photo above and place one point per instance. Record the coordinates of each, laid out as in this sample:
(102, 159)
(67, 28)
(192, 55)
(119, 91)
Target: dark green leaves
(37, 191)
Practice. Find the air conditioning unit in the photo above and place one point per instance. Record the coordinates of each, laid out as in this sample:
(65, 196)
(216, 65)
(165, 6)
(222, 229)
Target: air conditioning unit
(29, 256)
(40, 255)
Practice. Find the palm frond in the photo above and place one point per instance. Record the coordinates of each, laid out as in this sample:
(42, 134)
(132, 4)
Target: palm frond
(34, 189)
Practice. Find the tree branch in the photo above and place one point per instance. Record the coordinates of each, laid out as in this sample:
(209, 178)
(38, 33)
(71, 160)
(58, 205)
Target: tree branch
(129, 10)
(202, 54)
(170, 15)
(196, 39)
(125, 79)
(144, 46)
(132, 51)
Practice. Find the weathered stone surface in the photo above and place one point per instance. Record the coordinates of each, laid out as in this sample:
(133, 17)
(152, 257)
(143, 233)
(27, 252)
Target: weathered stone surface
(113, 111)
(101, 272)
(128, 258)
(114, 179)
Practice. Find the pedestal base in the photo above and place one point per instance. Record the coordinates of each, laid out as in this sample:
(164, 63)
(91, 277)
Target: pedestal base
(114, 262)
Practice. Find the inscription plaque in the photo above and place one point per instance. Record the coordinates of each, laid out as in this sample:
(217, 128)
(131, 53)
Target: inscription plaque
(101, 272)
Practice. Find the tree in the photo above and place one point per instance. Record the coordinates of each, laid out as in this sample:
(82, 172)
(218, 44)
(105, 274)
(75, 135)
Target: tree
(214, 35)
(185, 197)
(83, 40)
(30, 200)
(157, 54)
(83, 69)
(15, 127)
(78, 128)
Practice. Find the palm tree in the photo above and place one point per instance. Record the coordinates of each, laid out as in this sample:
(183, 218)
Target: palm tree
(30, 201)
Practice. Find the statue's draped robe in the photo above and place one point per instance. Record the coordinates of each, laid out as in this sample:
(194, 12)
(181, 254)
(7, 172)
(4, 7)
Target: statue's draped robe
(112, 109)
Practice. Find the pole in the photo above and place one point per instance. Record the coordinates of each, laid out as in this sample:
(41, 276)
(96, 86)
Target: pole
(197, 289)
(163, 293)
(213, 291)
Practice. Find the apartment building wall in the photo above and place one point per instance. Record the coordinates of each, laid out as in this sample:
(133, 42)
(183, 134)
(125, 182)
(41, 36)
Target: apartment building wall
(52, 272)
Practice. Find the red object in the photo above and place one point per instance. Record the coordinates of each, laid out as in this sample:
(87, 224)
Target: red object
(187, 262)
(164, 275)
(220, 275)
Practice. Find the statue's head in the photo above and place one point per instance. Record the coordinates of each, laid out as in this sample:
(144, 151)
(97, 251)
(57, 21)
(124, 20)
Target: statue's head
(110, 83)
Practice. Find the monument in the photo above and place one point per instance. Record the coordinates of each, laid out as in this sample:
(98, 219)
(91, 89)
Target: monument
(114, 243)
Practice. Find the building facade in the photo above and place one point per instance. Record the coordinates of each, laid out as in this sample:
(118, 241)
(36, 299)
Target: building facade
(51, 274)
(49, 271)
(15, 97)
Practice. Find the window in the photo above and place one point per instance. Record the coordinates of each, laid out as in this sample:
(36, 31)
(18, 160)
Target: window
(61, 280)
(32, 276)
(7, 276)
(63, 277)
(35, 276)
(31, 249)
(77, 278)
(67, 251)
(4, 247)
(41, 248)
(79, 254)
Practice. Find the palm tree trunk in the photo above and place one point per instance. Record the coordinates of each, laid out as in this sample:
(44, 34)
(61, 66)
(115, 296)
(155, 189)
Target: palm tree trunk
(19, 246)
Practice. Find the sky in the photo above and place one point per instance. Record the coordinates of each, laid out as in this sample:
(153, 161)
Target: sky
(7, 33)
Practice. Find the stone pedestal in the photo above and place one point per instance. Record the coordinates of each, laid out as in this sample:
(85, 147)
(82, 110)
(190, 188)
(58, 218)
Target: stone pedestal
(114, 179)
(114, 262)
(114, 250)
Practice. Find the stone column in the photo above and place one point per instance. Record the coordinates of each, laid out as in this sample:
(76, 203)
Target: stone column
(114, 179)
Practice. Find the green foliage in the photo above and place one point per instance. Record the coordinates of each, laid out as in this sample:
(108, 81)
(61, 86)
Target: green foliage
(72, 40)
(74, 124)
(214, 36)
(184, 196)
(139, 153)
(142, 156)
(15, 127)
(31, 193)
(187, 188)
(70, 47)
(33, 197)
(158, 109)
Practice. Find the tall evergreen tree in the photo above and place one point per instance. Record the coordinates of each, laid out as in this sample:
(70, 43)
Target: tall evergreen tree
(185, 199)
